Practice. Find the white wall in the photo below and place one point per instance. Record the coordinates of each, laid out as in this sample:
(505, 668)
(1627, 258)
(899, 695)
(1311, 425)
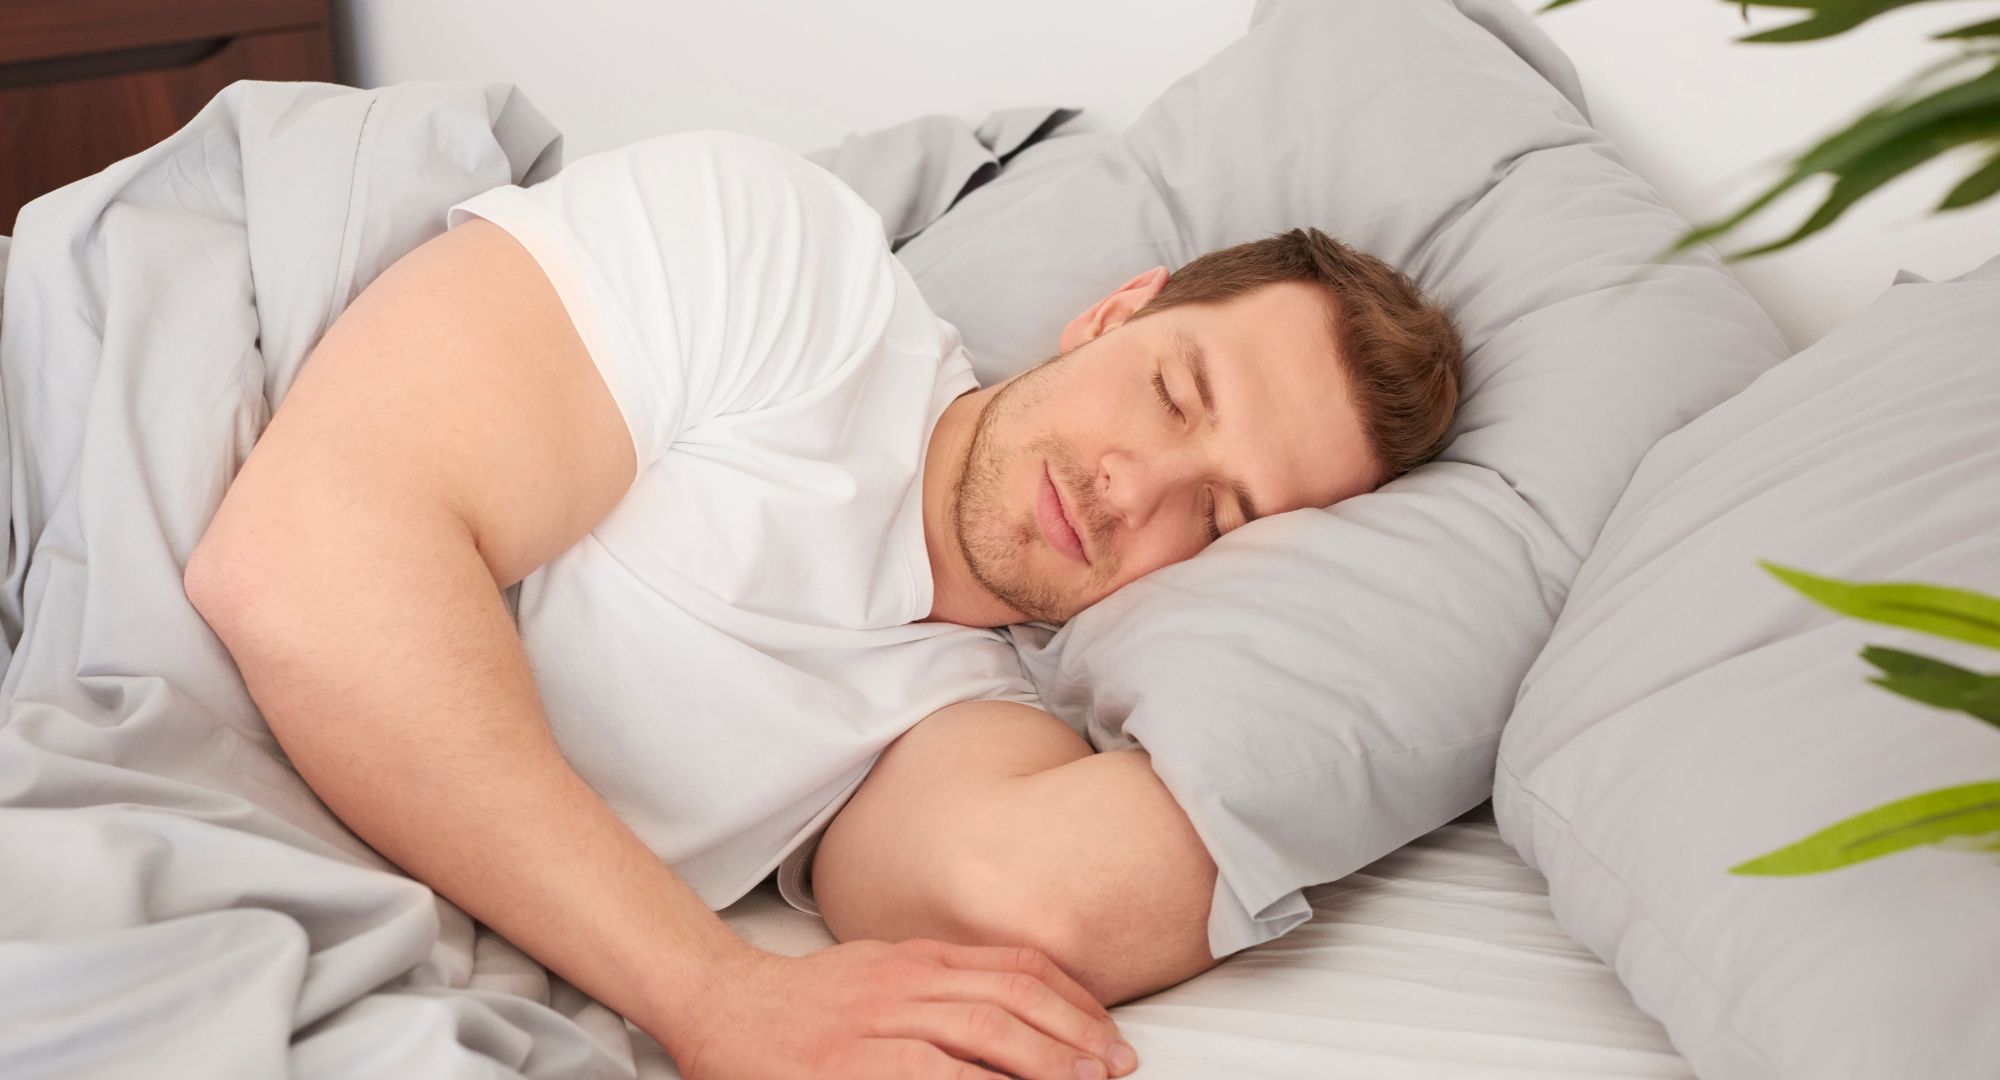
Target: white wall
(1692, 111)
(799, 72)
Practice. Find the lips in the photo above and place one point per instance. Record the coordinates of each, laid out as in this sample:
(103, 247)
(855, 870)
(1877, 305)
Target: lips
(1055, 520)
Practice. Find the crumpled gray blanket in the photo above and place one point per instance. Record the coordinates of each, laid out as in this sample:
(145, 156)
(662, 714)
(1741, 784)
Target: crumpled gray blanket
(174, 901)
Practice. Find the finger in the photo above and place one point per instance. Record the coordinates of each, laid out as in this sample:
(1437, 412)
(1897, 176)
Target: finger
(1028, 961)
(911, 1059)
(985, 1031)
(1032, 1000)
(1032, 961)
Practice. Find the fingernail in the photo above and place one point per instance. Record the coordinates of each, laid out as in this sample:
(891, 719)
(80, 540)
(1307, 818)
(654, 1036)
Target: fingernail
(1089, 1069)
(1123, 1059)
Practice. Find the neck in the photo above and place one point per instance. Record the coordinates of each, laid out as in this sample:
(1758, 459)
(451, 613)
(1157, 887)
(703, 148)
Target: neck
(956, 596)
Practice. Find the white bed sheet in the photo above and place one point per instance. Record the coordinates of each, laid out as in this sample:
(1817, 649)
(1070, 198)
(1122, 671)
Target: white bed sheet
(1441, 961)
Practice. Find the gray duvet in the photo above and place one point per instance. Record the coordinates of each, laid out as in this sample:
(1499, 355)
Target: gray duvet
(174, 901)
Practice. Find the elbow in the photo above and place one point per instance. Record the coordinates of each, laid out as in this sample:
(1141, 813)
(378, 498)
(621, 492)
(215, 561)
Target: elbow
(1091, 862)
(987, 902)
(201, 579)
(208, 582)
(961, 892)
(218, 583)
(1118, 942)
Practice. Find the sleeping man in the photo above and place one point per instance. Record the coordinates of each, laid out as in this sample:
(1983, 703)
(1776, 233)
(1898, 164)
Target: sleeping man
(645, 533)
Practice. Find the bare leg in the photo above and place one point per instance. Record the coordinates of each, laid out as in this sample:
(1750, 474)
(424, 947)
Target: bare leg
(994, 823)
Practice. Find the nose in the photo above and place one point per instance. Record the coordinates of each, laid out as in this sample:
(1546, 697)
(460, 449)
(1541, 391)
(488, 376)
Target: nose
(1136, 487)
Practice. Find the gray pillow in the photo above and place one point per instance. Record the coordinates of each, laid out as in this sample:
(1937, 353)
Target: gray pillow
(1691, 712)
(1323, 686)
(914, 171)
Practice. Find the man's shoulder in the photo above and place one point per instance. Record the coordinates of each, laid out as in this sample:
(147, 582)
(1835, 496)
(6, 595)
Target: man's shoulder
(759, 171)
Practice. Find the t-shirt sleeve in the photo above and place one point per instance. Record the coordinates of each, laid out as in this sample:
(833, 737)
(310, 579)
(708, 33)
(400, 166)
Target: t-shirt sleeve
(708, 273)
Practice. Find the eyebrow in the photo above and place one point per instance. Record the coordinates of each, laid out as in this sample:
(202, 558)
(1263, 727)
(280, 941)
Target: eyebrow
(1196, 359)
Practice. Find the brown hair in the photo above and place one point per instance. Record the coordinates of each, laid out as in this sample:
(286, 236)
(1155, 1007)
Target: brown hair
(1402, 354)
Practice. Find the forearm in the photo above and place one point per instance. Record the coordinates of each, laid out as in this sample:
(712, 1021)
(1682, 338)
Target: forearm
(994, 823)
(1103, 848)
(386, 664)
(1145, 903)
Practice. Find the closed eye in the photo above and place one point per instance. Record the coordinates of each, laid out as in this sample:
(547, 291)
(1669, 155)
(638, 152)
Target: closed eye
(1160, 389)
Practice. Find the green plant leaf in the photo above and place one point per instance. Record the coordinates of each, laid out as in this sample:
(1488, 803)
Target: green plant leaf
(1978, 844)
(1989, 28)
(1890, 139)
(1970, 810)
(1903, 93)
(1954, 613)
(1934, 682)
(1554, 4)
(1842, 15)
(1833, 17)
(1894, 118)
(1885, 142)
(1980, 185)
(1882, 164)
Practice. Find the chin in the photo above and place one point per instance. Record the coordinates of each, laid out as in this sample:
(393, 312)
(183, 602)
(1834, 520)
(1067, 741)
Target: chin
(1001, 535)
(1045, 586)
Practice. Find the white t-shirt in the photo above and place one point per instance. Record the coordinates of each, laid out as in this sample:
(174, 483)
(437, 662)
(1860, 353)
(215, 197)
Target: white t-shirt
(724, 657)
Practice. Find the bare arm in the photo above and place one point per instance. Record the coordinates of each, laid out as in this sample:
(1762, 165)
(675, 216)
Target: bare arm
(448, 436)
(992, 822)
(354, 571)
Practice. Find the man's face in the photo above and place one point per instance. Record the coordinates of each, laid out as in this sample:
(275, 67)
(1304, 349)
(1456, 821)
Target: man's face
(1080, 477)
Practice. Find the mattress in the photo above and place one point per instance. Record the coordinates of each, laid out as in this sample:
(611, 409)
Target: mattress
(1441, 960)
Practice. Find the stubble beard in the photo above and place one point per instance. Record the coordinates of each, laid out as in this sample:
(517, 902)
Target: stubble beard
(994, 539)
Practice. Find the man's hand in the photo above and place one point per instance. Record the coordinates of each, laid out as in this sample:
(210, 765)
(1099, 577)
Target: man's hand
(870, 1010)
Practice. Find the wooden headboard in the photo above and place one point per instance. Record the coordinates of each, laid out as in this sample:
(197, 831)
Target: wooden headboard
(84, 83)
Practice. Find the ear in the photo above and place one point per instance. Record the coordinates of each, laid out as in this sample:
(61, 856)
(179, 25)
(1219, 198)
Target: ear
(1113, 309)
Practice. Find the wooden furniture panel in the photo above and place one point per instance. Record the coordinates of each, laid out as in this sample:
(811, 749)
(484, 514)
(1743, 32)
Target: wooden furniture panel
(84, 83)
(45, 29)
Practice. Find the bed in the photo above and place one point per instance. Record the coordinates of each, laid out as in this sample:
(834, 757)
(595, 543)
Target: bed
(1474, 821)
(1440, 960)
